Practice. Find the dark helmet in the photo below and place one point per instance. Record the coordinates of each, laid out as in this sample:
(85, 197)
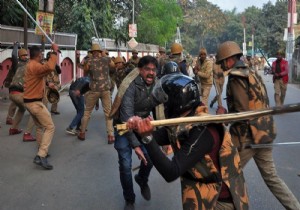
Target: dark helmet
(169, 68)
(178, 93)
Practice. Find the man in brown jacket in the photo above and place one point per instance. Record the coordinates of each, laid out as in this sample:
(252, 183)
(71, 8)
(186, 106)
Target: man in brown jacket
(204, 71)
(34, 86)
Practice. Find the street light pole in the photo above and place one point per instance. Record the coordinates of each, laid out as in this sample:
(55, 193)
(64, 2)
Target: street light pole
(132, 11)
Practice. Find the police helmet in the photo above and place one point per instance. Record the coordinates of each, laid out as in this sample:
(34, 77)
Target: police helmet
(169, 68)
(178, 93)
(226, 50)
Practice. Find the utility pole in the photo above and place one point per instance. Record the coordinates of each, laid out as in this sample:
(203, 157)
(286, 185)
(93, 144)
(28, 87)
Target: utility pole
(25, 28)
(178, 36)
(290, 37)
(253, 30)
(244, 43)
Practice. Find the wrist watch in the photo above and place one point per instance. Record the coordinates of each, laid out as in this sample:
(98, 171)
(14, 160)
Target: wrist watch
(147, 139)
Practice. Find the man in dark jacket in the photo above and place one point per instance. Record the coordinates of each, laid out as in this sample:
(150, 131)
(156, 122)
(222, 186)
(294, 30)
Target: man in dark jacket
(76, 92)
(135, 100)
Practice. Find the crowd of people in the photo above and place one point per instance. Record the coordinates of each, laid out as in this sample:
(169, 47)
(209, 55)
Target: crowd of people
(209, 159)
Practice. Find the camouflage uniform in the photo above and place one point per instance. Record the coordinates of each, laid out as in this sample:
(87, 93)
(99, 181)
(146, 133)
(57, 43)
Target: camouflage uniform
(246, 91)
(16, 92)
(100, 84)
(218, 79)
(120, 74)
(52, 77)
(204, 72)
(201, 184)
(133, 62)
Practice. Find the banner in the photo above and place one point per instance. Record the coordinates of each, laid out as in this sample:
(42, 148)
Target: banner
(45, 20)
(132, 30)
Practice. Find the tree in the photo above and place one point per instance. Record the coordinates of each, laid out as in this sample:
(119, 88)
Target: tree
(157, 21)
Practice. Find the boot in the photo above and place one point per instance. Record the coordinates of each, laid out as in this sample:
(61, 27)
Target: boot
(9, 121)
(212, 103)
(145, 190)
(42, 161)
(28, 137)
(81, 136)
(14, 131)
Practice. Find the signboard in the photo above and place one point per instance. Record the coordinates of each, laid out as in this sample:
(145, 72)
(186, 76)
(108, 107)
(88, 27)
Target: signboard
(132, 43)
(45, 21)
(132, 30)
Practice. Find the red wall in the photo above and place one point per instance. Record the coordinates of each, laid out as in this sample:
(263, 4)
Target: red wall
(4, 68)
(66, 71)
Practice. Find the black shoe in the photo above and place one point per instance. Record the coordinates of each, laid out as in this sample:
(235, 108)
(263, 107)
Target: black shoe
(211, 104)
(42, 161)
(129, 205)
(145, 190)
(55, 112)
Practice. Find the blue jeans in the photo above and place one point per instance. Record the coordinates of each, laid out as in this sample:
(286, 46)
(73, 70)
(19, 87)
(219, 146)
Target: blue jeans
(125, 160)
(78, 102)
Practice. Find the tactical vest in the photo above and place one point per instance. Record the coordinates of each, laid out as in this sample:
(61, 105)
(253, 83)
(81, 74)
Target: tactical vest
(99, 74)
(18, 79)
(204, 194)
(260, 130)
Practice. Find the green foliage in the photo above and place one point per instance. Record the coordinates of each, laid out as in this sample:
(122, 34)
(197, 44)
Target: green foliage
(157, 21)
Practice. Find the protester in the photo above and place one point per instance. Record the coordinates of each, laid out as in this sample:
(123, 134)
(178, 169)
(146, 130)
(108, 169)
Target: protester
(76, 93)
(134, 98)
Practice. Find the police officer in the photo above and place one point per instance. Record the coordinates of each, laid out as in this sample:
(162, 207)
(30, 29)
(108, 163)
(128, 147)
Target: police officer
(16, 92)
(134, 60)
(204, 157)
(100, 85)
(246, 91)
(204, 71)
(177, 57)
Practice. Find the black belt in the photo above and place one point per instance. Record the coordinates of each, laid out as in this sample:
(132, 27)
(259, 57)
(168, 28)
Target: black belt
(27, 100)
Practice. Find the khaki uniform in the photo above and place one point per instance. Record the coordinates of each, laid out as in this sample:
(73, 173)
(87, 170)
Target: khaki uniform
(100, 85)
(218, 79)
(16, 96)
(34, 87)
(203, 194)
(246, 91)
(204, 72)
(133, 62)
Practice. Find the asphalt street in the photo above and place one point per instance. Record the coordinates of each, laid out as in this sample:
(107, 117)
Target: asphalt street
(86, 175)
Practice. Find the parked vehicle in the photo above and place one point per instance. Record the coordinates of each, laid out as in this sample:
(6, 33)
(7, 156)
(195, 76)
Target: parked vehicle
(268, 67)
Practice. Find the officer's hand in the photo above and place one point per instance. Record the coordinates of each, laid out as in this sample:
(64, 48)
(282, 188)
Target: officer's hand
(132, 122)
(221, 110)
(144, 126)
(51, 85)
(140, 154)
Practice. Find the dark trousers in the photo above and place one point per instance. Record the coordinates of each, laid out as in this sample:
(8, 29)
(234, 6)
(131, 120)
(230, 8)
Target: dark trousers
(78, 102)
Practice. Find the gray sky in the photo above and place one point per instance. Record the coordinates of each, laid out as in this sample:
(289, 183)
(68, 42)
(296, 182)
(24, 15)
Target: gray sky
(239, 4)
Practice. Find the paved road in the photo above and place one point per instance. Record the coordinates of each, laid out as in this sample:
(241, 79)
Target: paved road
(85, 174)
